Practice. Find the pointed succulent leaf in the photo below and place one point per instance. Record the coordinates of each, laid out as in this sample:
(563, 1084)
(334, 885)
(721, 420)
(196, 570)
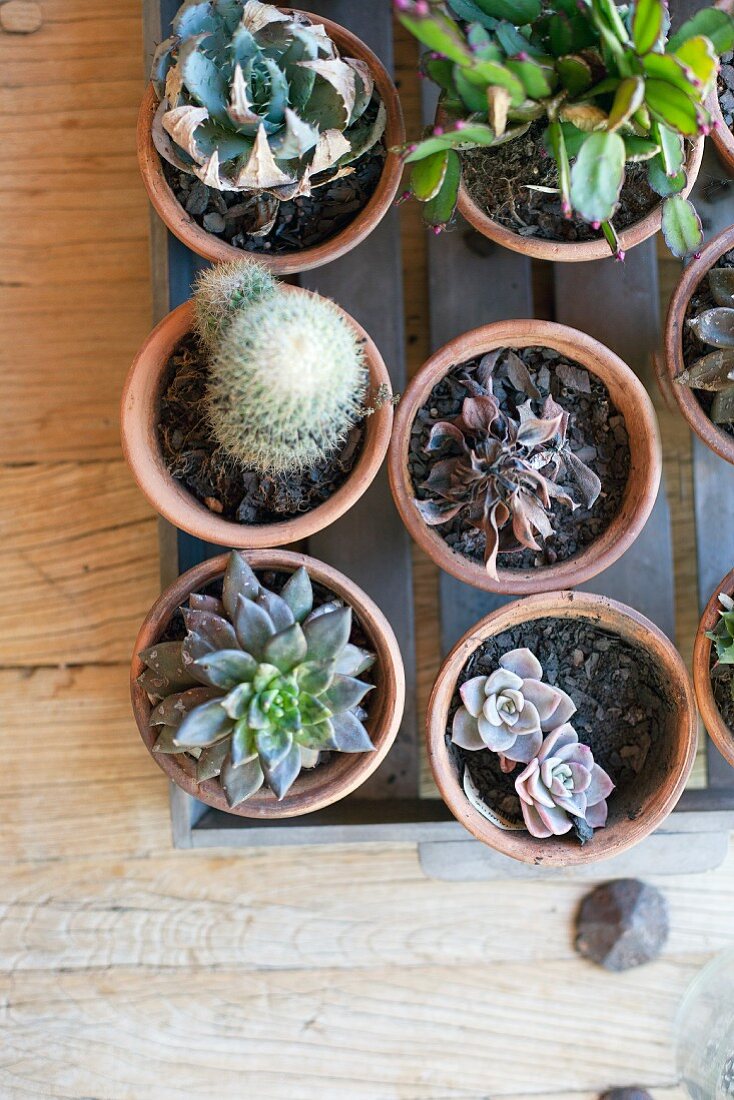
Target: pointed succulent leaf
(239, 580)
(344, 693)
(349, 734)
(165, 743)
(315, 676)
(213, 630)
(272, 747)
(253, 626)
(203, 78)
(328, 634)
(225, 668)
(317, 737)
(681, 227)
(597, 176)
(298, 594)
(173, 710)
(313, 710)
(353, 660)
(722, 410)
(277, 608)
(282, 777)
(197, 602)
(721, 284)
(712, 372)
(166, 660)
(237, 701)
(241, 783)
(204, 725)
(243, 743)
(209, 764)
(287, 649)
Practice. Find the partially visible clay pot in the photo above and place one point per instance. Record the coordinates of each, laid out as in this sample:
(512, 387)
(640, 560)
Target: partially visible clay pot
(626, 392)
(139, 416)
(574, 251)
(633, 813)
(183, 226)
(721, 135)
(716, 727)
(691, 276)
(315, 788)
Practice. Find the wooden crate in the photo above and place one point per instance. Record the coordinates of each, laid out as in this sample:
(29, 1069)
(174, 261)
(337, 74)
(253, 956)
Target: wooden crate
(472, 282)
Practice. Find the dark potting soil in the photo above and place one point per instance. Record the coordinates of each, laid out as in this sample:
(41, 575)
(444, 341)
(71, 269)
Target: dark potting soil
(301, 223)
(722, 682)
(193, 456)
(497, 180)
(622, 713)
(693, 348)
(725, 88)
(596, 433)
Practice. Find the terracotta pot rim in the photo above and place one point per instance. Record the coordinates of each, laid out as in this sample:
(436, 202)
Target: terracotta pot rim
(574, 251)
(138, 424)
(316, 789)
(205, 244)
(628, 394)
(716, 727)
(618, 836)
(717, 440)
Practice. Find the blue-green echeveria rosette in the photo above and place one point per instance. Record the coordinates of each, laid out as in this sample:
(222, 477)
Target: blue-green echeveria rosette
(509, 711)
(253, 99)
(260, 686)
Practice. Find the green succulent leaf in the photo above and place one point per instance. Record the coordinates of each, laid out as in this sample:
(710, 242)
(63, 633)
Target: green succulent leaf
(648, 21)
(715, 326)
(253, 626)
(282, 776)
(165, 743)
(711, 23)
(353, 660)
(639, 149)
(597, 176)
(211, 761)
(173, 710)
(210, 630)
(243, 745)
(203, 78)
(328, 634)
(239, 580)
(349, 734)
(344, 693)
(722, 410)
(286, 649)
(226, 668)
(314, 676)
(204, 725)
(318, 737)
(711, 372)
(280, 613)
(206, 603)
(313, 710)
(681, 227)
(272, 747)
(298, 594)
(165, 659)
(241, 782)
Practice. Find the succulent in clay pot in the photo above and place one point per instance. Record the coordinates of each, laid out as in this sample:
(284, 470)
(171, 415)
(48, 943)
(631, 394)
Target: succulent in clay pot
(714, 371)
(562, 786)
(509, 711)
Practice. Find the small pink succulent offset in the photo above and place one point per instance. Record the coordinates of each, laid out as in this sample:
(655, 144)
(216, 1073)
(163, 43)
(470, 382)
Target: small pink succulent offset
(509, 711)
(562, 782)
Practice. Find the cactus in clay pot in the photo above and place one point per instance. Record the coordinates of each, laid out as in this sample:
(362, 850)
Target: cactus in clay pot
(723, 634)
(260, 686)
(509, 711)
(224, 290)
(563, 784)
(257, 100)
(714, 328)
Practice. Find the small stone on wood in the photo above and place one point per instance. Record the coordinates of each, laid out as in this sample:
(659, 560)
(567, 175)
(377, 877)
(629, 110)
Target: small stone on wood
(626, 1094)
(20, 16)
(622, 924)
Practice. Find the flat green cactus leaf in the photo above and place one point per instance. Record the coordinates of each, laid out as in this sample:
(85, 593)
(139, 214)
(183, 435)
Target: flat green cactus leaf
(438, 32)
(512, 41)
(648, 20)
(240, 783)
(699, 56)
(440, 209)
(472, 13)
(597, 176)
(672, 152)
(527, 111)
(681, 227)
(474, 96)
(628, 98)
(715, 326)
(722, 410)
(573, 139)
(483, 73)
(560, 34)
(363, 136)
(712, 23)
(537, 79)
(473, 135)
(721, 284)
(428, 175)
(282, 777)
(712, 372)
(639, 148)
(209, 764)
(203, 79)
(575, 74)
(672, 106)
(661, 183)
(518, 12)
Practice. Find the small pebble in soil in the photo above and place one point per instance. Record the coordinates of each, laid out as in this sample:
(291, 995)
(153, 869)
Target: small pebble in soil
(693, 348)
(596, 433)
(622, 924)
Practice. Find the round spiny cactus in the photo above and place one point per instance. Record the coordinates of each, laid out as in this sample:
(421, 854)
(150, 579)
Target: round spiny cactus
(286, 382)
(223, 290)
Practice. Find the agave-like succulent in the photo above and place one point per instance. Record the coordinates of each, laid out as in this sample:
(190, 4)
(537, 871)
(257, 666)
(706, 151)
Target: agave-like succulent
(562, 783)
(723, 634)
(261, 684)
(715, 370)
(259, 100)
(503, 473)
(509, 711)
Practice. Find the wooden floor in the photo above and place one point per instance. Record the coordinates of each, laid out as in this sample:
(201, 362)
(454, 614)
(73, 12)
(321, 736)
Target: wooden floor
(133, 972)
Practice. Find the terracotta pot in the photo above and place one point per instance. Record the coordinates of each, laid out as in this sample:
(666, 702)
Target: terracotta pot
(718, 440)
(576, 251)
(627, 393)
(716, 727)
(183, 226)
(317, 788)
(721, 135)
(633, 814)
(139, 426)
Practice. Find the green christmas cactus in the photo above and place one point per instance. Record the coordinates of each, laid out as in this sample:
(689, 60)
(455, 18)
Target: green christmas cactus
(257, 100)
(610, 85)
(261, 684)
